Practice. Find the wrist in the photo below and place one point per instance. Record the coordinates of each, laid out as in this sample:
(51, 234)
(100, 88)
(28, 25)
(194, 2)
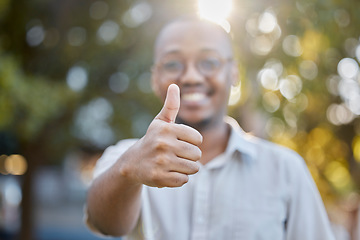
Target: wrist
(126, 167)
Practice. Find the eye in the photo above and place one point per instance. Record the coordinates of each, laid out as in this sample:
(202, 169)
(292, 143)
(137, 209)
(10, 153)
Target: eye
(209, 64)
(173, 66)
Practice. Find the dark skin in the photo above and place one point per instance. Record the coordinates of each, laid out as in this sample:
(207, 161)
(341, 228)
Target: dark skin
(189, 128)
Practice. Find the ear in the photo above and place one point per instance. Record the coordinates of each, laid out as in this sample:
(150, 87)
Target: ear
(154, 82)
(234, 73)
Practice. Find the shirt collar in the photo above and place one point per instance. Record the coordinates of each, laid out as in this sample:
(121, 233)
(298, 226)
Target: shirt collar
(239, 141)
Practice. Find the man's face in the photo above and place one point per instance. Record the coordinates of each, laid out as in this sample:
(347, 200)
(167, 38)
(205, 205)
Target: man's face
(197, 57)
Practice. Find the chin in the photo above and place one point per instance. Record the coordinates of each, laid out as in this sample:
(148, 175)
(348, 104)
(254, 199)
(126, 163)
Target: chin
(198, 124)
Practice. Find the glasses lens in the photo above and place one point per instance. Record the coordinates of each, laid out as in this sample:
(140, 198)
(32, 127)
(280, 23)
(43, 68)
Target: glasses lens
(172, 67)
(209, 65)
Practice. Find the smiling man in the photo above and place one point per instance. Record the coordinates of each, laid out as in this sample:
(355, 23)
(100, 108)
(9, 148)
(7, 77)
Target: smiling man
(195, 174)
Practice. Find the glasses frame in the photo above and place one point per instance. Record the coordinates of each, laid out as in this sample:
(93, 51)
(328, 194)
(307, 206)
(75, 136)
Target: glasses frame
(223, 61)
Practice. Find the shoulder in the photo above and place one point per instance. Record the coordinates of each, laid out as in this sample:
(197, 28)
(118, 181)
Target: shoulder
(274, 151)
(272, 155)
(119, 148)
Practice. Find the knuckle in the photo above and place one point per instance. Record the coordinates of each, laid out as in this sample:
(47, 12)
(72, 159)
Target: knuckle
(165, 128)
(159, 128)
(160, 145)
(161, 160)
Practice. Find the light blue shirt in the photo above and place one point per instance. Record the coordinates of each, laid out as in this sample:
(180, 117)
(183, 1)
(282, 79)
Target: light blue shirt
(255, 190)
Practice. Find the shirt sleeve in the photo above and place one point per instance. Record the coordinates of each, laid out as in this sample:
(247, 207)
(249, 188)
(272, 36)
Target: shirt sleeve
(109, 157)
(307, 218)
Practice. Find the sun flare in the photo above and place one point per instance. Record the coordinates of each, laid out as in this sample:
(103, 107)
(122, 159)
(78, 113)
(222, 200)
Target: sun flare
(216, 11)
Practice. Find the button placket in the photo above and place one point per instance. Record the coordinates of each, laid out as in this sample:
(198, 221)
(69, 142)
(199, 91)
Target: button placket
(201, 211)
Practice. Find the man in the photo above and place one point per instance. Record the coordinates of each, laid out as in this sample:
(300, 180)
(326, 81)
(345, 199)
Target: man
(195, 174)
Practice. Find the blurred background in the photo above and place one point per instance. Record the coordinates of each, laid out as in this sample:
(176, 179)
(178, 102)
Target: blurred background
(75, 78)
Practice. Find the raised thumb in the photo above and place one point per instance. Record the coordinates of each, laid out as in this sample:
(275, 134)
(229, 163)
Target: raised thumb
(171, 106)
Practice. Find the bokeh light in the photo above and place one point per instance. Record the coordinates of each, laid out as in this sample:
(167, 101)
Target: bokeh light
(262, 45)
(339, 114)
(299, 103)
(316, 155)
(291, 46)
(338, 175)
(267, 22)
(276, 65)
(139, 13)
(332, 83)
(92, 122)
(15, 164)
(35, 36)
(3, 170)
(275, 127)
(77, 78)
(342, 17)
(348, 68)
(264, 31)
(290, 116)
(268, 78)
(144, 82)
(107, 32)
(357, 53)
(308, 69)
(99, 10)
(290, 86)
(271, 102)
(12, 193)
(356, 148)
(119, 82)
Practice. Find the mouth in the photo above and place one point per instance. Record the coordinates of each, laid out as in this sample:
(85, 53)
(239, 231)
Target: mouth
(193, 97)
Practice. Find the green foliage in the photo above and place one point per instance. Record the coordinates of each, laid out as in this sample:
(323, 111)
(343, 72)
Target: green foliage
(28, 103)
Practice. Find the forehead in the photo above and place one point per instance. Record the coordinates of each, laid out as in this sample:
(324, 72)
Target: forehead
(192, 37)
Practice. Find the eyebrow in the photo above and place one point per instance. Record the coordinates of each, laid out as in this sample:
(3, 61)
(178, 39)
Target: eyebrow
(204, 50)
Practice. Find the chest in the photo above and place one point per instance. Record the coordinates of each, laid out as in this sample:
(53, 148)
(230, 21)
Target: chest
(227, 203)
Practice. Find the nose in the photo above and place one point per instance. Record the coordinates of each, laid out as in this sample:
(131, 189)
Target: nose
(191, 75)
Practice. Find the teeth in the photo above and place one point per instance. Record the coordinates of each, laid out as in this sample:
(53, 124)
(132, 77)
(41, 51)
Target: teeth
(193, 96)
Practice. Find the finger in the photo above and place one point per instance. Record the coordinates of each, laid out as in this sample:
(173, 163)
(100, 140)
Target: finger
(175, 179)
(187, 151)
(188, 134)
(184, 166)
(171, 106)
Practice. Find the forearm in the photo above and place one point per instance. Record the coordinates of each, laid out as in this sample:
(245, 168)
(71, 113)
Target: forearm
(114, 203)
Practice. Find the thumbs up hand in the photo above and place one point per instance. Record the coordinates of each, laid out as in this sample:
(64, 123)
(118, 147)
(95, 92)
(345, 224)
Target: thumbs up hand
(168, 152)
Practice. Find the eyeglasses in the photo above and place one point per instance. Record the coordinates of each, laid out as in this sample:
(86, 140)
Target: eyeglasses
(174, 67)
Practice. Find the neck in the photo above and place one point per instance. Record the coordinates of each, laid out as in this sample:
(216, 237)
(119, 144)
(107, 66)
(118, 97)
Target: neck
(215, 140)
